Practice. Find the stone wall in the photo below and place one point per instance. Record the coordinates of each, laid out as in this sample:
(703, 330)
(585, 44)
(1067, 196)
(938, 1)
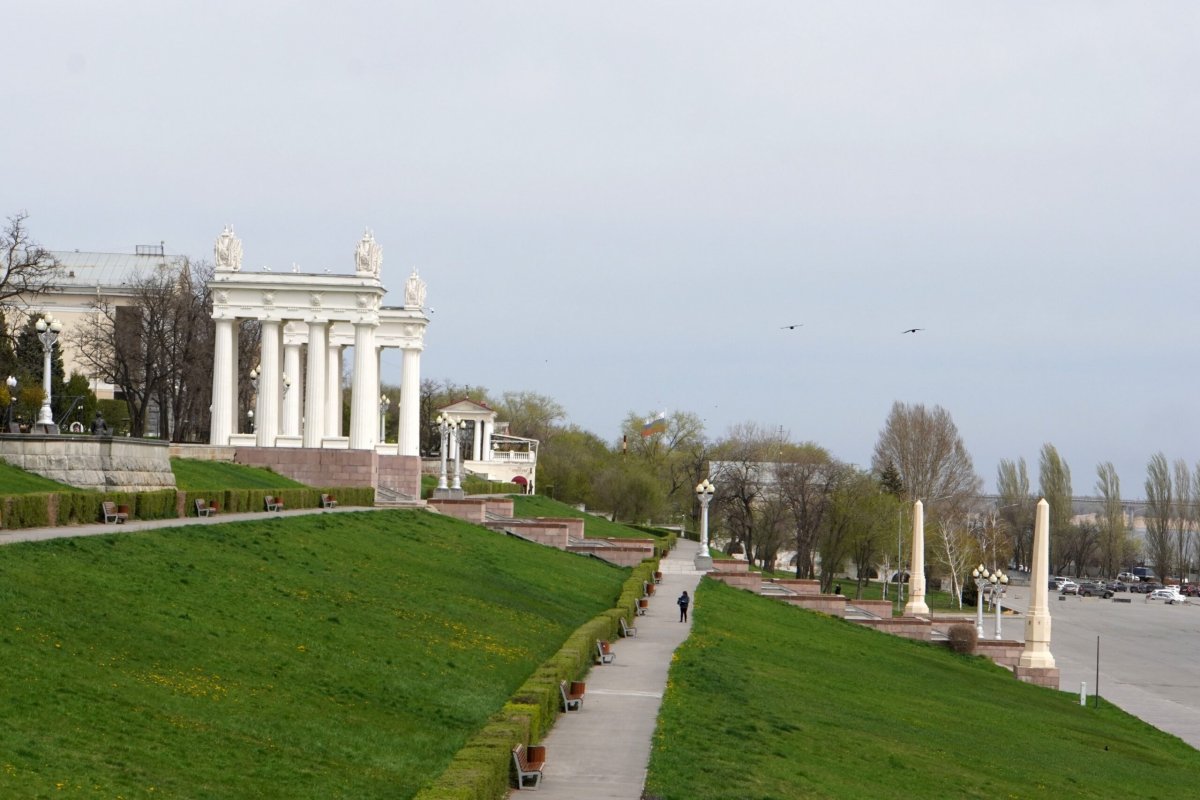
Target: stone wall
(322, 467)
(799, 585)
(831, 604)
(107, 464)
(466, 510)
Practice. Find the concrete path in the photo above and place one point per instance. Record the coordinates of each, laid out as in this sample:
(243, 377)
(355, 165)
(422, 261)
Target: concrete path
(602, 752)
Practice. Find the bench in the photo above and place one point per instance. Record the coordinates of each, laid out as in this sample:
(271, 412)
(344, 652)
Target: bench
(204, 508)
(114, 512)
(328, 501)
(273, 503)
(627, 630)
(604, 653)
(572, 698)
(529, 762)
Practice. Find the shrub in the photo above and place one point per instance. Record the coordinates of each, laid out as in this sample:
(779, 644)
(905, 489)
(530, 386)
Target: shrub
(963, 638)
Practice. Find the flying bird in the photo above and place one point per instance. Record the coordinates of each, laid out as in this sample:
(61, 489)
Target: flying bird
(791, 327)
(912, 330)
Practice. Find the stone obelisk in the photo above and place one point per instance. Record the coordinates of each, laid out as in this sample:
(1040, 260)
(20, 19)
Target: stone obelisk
(916, 576)
(1037, 664)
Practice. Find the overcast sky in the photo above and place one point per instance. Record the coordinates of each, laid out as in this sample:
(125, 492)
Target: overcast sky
(619, 205)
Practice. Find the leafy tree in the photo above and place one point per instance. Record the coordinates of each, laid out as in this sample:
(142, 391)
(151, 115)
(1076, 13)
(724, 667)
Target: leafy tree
(630, 491)
(1055, 481)
(1159, 506)
(85, 410)
(1114, 546)
(569, 463)
(890, 480)
(436, 394)
(676, 456)
(1017, 508)
(531, 415)
(1182, 517)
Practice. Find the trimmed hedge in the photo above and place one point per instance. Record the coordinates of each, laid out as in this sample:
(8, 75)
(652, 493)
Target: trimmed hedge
(482, 769)
(46, 509)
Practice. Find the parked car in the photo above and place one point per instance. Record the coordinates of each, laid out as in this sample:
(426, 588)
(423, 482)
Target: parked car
(1190, 590)
(1128, 577)
(1070, 587)
(1169, 595)
(1058, 581)
(1094, 589)
(1116, 586)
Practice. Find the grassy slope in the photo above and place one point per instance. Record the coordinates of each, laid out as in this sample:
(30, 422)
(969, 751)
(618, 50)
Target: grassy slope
(18, 481)
(204, 476)
(343, 655)
(594, 527)
(766, 701)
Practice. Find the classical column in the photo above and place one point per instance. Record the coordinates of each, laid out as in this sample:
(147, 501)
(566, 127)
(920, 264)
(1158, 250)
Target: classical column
(916, 580)
(487, 440)
(314, 389)
(224, 365)
(266, 415)
(291, 398)
(1037, 620)
(410, 403)
(364, 392)
(477, 441)
(333, 390)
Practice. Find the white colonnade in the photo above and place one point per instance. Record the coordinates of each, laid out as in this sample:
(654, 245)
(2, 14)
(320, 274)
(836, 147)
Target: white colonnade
(324, 313)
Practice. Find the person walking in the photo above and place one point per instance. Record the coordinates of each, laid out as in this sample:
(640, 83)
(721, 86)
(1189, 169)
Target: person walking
(683, 602)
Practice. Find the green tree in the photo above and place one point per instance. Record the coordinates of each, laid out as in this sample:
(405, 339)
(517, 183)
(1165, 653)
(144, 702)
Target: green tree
(1017, 507)
(1114, 548)
(569, 463)
(1055, 482)
(675, 456)
(1159, 507)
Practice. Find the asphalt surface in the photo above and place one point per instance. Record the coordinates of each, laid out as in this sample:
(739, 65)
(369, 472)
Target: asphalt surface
(1147, 654)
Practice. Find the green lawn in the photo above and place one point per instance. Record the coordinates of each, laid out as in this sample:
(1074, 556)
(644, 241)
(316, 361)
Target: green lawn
(339, 655)
(18, 481)
(766, 701)
(595, 527)
(211, 476)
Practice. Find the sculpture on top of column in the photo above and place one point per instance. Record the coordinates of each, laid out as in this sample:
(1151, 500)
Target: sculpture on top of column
(368, 256)
(227, 253)
(414, 291)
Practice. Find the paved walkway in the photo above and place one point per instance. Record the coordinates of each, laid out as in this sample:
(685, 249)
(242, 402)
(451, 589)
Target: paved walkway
(602, 752)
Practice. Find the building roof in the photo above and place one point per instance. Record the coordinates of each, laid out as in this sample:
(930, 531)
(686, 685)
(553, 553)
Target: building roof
(108, 270)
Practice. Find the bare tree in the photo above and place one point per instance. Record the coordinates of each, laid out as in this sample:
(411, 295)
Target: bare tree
(954, 550)
(1182, 517)
(1055, 482)
(1159, 507)
(1113, 533)
(156, 349)
(1017, 507)
(743, 476)
(25, 266)
(806, 487)
(924, 446)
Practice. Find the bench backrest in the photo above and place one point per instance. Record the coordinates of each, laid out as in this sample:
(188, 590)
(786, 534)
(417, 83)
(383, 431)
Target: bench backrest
(109, 507)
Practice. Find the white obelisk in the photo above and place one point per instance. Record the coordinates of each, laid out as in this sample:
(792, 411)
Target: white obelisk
(916, 578)
(1037, 621)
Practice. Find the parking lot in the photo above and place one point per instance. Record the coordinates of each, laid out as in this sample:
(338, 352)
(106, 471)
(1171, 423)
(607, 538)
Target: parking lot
(1148, 663)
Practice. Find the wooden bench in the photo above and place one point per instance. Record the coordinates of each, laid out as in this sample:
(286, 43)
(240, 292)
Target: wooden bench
(604, 653)
(114, 512)
(328, 501)
(204, 508)
(529, 762)
(573, 697)
(273, 503)
(627, 630)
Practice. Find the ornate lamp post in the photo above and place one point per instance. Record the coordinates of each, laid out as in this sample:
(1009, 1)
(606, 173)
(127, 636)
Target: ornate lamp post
(980, 574)
(47, 333)
(704, 493)
(254, 373)
(384, 403)
(457, 430)
(11, 383)
(250, 416)
(998, 581)
(444, 425)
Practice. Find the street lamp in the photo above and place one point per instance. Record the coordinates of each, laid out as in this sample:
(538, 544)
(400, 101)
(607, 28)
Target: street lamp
(250, 415)
(998, 581)
(444, 424)
(384, 403)
(457, 430)
(11, 383)
(47, 333)
(704, 493)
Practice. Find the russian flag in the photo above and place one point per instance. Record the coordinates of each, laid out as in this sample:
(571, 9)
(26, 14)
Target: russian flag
(656, 425)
